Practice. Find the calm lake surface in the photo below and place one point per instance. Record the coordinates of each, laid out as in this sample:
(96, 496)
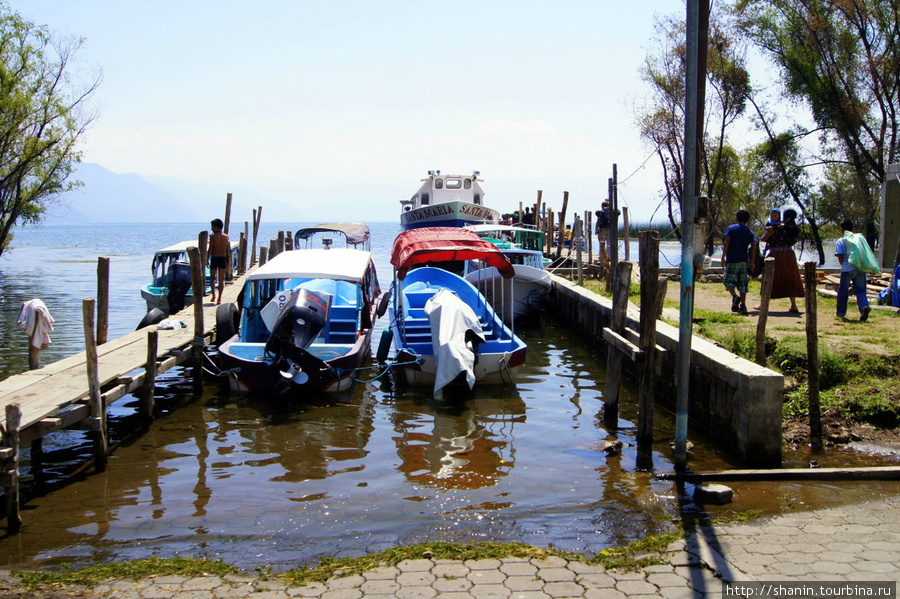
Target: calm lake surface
(259, 483)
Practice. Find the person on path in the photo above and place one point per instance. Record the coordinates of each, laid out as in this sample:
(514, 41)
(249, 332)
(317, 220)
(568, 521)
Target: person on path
(739, 241)
(219, 249)
(602, 231)
(856, 258)
(780, 238)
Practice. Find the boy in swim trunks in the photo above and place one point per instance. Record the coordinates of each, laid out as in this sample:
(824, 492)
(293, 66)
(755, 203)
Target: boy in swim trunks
(219, 247)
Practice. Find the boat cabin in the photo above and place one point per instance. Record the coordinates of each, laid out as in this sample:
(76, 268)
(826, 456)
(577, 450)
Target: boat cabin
(441, 189)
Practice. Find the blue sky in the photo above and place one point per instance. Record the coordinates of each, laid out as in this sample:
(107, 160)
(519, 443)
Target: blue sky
(341, 104)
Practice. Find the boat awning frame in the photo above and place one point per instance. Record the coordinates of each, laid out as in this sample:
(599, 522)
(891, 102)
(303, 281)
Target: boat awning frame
(441, 244)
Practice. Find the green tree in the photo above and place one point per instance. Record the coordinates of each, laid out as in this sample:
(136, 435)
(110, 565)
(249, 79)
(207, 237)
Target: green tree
(842, 59)
(43, 114)
(661, 120)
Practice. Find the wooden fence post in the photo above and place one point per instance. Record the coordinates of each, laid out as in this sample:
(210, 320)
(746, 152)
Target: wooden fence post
(11, 468)
(768, 276)
(102, 299)
(812, 355)
(650, 298)
(97, 402)
(614, 356)
(203, 245)
(148, 399)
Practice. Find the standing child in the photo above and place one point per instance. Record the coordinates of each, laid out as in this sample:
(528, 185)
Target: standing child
(739, 241)
(219, 247)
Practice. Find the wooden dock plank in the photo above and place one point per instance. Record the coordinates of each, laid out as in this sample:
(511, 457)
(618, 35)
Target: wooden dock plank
(45, 392)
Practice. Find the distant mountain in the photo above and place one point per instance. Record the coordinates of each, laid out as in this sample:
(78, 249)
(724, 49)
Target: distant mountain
(106, 196)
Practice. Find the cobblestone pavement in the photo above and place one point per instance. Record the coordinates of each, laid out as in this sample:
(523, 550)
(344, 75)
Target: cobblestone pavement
(851, 543)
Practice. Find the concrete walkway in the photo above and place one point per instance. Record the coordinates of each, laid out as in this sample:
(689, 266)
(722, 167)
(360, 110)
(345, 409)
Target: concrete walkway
(852, 543)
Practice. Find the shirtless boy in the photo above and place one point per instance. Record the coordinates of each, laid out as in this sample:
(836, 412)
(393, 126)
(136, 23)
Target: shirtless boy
(219, 247)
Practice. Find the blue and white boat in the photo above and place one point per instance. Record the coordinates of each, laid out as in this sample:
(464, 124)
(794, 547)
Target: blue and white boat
(443, 329)
(304, 323)
(447, 201)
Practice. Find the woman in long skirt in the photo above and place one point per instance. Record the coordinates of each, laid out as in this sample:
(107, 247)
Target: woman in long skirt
(786, 280)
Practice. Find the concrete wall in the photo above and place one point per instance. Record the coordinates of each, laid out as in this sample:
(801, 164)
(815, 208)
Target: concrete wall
(890, 217)
(731, 399)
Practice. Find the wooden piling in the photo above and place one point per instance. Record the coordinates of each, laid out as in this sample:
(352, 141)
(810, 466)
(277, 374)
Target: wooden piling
(102, 299)
(203, 245)
(263, 255)
(35, 343)
(10, 475)
(548, 237)
(562, 224)
(242, 254)
(273, 248)
(650, 298)
(97, 403)
(199, 336)
(537, 211)
(613, 356)
(812, 354)
(765, 294)
(148, 398)
(627, 240)
(576, 240)
(229, 266)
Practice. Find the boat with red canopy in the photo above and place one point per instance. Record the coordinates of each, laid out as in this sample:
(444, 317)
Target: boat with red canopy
(443, 329)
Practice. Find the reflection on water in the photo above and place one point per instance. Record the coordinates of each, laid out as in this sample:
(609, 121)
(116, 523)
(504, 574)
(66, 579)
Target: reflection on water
(259, 483)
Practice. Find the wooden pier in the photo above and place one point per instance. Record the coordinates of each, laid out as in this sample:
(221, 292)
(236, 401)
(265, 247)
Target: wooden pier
(75, 392)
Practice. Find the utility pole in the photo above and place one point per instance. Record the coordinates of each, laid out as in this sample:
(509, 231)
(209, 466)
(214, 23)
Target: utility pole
(695, 86)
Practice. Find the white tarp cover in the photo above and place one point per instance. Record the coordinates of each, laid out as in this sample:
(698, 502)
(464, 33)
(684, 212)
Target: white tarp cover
(450, 319)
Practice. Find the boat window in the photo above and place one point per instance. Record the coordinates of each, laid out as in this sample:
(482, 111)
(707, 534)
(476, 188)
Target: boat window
(425, 199)
(439, 184)
(454, 183)
(478, 198)
(467, 184)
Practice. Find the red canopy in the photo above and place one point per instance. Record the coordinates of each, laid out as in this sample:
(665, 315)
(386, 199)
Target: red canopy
(441, 244)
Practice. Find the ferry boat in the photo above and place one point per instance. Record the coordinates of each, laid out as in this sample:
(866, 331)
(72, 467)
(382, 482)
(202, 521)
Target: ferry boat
(447, 201)
(444, 330)
(305, 319)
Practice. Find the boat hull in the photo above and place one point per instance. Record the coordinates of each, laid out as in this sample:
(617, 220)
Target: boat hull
(492, 368)
(448, 214)
(250, 372)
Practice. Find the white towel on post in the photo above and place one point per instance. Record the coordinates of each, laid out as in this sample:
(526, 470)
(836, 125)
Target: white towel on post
(35, 320)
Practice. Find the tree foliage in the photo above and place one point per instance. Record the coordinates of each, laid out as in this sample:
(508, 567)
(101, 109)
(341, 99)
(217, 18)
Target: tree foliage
(43, 114)
(842, 59)
(661, 120)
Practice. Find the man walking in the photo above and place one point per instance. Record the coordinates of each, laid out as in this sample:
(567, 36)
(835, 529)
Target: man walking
(739, 240)
(856, 258)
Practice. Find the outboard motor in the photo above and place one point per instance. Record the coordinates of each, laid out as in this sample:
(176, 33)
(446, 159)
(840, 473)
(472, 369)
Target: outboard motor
(178, 280)
(300, 320)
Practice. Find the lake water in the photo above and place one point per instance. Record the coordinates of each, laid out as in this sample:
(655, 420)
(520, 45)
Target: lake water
(263, 483)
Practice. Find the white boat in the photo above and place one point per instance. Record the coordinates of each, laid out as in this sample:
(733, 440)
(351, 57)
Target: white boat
(447, 201)
(304, 323)
(443, 328)
(521, 297)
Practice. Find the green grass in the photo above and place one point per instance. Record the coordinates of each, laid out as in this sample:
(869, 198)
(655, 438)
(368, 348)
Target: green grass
(639, 554)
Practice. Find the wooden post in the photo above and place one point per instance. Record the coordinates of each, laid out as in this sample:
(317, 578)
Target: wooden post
(11, 468)
(614, 356)
(255, 233)
(589, 235)
(263, 254)
(537, 211)
(199, 328)
(627, 240)
(102, 299)
(649, 264)
(549, 236)
(521, 212)
(34, 343)
(576, 239)
(812, 355)
(562, 224)
(203, 245)
(229, 267)
(97, 403)
(768, 275)
(148, 399)
(244, 249)
(288, 243)
(280, 241)
(242, 254)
